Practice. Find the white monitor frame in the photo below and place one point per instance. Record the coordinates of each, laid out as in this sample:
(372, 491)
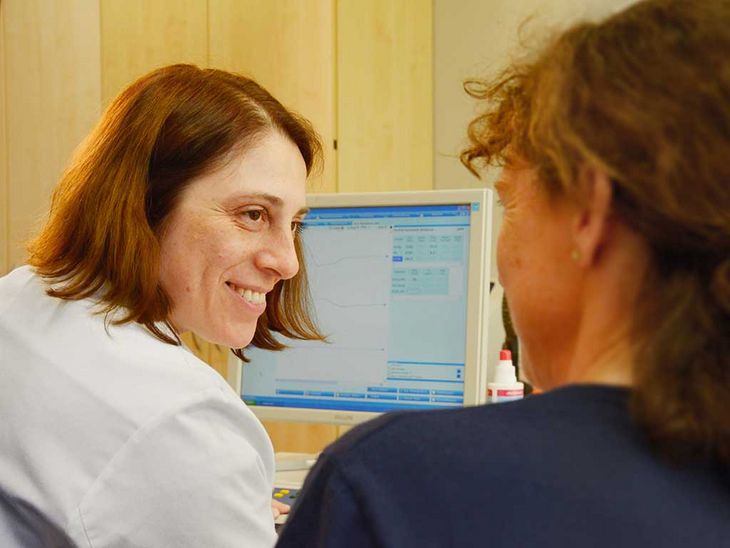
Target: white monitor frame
(478, 278)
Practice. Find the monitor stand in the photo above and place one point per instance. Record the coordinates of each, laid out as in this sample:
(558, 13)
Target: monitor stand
(289, 462)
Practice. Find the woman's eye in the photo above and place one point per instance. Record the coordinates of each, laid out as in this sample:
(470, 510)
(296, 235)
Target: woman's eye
(254, 214)
(252, 217)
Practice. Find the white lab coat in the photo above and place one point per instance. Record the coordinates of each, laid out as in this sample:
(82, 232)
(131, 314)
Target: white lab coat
(121, 439)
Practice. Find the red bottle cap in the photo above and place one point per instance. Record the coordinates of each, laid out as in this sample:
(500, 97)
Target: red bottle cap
(505, 355)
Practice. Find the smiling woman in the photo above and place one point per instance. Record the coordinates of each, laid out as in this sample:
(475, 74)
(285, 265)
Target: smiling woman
(229, 241)
(180, 213)
(170, 128)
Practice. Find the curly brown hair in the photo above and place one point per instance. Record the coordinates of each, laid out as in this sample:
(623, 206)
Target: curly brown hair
(167, 128)
(643, 96)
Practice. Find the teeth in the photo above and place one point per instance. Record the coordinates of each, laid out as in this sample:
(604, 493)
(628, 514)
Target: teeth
(251, 296)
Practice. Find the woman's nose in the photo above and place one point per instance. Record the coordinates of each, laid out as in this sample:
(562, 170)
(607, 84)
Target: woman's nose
(279, 255)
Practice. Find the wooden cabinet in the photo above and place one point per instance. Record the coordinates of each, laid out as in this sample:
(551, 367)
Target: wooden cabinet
(140, 35)
(384, 95)
(359, 70)
(288, 46)
(51, 99)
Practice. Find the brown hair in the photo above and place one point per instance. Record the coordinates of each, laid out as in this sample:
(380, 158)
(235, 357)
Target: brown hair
(167, 128)
(644, 97)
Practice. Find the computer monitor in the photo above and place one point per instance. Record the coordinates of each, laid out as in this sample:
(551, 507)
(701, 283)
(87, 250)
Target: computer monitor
(400, 285)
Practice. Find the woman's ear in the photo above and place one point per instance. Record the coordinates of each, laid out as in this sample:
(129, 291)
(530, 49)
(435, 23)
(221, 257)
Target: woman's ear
(592, 222)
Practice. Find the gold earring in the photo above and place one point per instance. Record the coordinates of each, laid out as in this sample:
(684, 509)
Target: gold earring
(575, 255)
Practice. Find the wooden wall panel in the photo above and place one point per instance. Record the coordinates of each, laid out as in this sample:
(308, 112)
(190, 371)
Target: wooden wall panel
(140, 35)
(51, 54)
(288, 47)
(384, 95)
(3, 153)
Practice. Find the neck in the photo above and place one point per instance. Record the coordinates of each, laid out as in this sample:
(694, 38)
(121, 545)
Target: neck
(596, 357)
(601, 348)
(604, 350)
(608, 363)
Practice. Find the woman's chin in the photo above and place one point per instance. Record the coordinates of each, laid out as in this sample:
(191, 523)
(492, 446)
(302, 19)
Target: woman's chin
(236, 341)
(239, 339)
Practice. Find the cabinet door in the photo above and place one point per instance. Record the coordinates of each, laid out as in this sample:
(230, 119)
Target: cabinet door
(384, 95)
(287, 46)
(50, 53)
(138, 36)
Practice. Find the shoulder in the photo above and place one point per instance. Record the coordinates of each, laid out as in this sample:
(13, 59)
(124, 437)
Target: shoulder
(204, 472)
(422, 479)
(75, 358)
(559, 413)
(73, 346)
(403, 448)
(201, 434)
(18, 284)
(457, 459)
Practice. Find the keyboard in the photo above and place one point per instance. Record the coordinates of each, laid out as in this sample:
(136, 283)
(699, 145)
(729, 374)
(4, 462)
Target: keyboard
(287, 495)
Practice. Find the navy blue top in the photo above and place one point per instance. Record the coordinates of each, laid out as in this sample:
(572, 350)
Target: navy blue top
(566, 468)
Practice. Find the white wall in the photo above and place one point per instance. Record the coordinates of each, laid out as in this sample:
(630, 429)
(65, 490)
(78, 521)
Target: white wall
(475, 38)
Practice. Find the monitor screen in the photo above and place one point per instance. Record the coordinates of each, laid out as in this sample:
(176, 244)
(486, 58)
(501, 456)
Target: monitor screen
(398, 284)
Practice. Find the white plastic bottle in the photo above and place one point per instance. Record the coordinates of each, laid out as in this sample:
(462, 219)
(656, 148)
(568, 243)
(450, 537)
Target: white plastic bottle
(505, 387)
